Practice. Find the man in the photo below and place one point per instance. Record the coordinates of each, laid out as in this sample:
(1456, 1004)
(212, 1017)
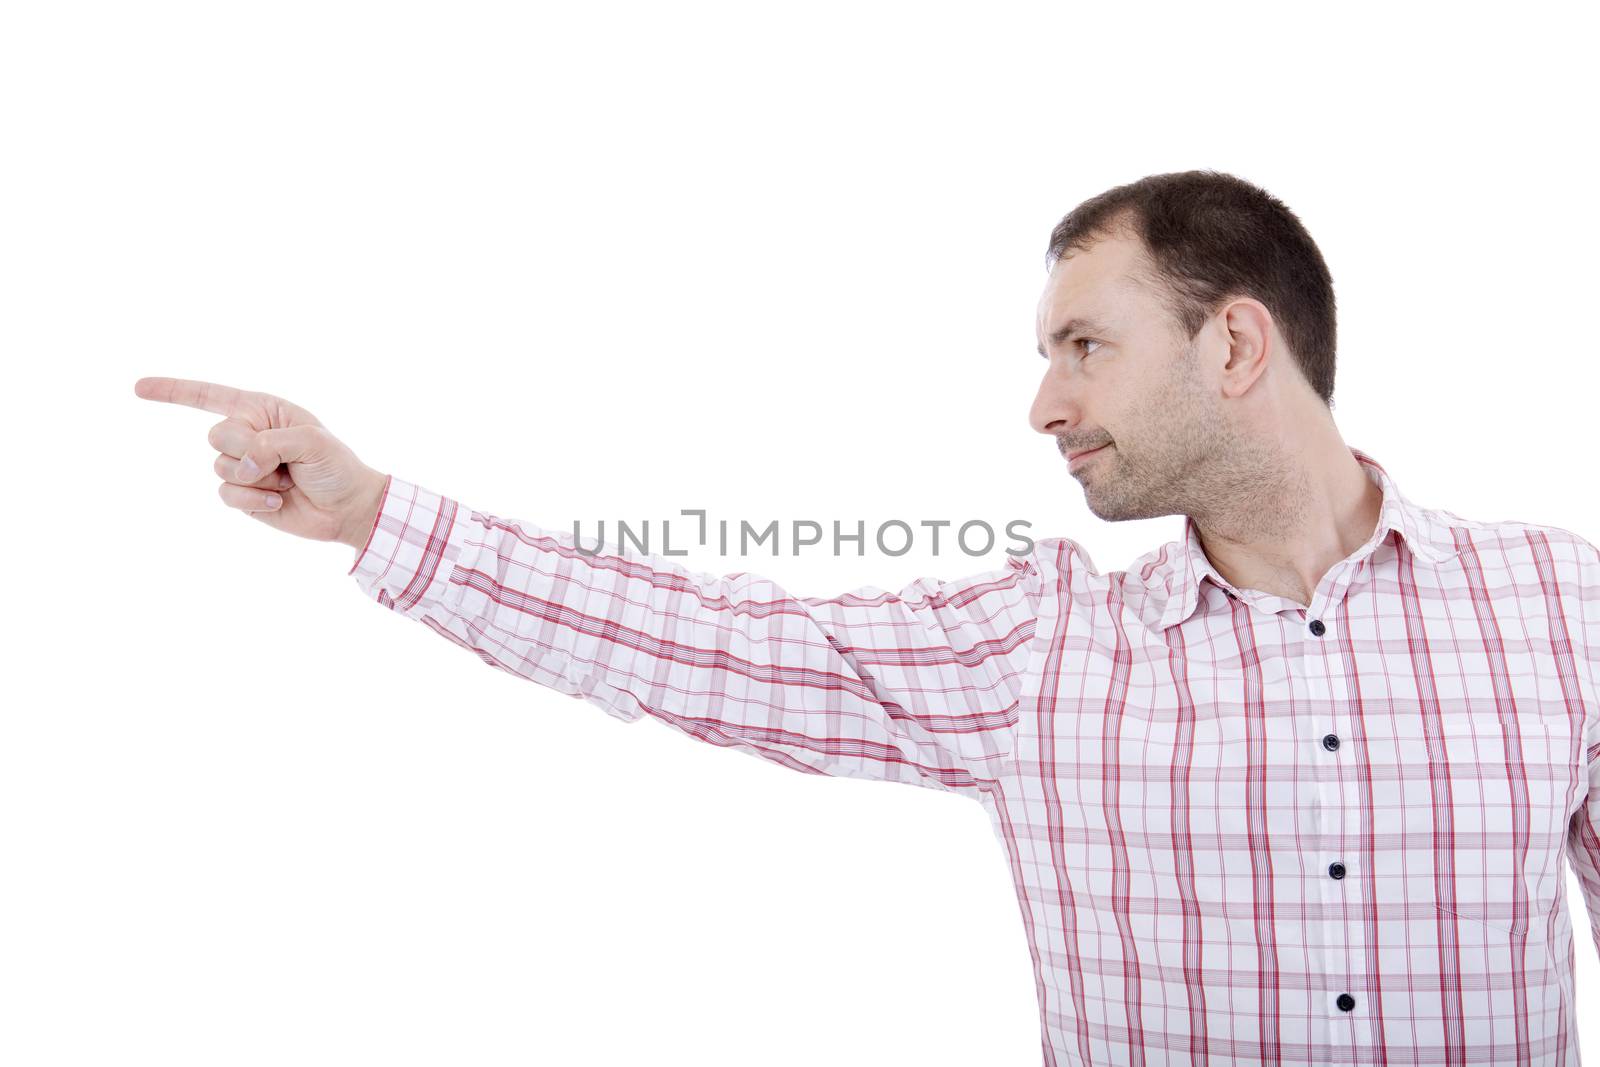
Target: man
(1296, 787)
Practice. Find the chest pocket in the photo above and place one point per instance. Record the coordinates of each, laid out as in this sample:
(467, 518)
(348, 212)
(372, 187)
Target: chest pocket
(1507, 791)
(1495, 916)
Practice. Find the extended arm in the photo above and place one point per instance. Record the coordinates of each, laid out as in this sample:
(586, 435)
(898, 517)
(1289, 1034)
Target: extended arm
(920, 686)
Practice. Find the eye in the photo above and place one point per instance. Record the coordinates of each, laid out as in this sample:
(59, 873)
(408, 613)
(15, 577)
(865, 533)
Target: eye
(1079, 343)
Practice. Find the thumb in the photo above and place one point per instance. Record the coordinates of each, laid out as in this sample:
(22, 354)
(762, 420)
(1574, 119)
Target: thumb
(290, 444)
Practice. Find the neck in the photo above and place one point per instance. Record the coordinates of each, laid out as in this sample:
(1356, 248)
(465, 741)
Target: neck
(1284, 518)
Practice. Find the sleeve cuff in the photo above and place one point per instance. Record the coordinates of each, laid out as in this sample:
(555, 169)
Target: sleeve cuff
(413, 547)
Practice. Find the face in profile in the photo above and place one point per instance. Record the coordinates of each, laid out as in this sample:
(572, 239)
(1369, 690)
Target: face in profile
(1124, 380)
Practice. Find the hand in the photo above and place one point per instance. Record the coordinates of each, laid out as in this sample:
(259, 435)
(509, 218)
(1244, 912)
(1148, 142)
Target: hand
(304, 481)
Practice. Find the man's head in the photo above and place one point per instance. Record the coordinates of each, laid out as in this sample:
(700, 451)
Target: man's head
(1188, 322)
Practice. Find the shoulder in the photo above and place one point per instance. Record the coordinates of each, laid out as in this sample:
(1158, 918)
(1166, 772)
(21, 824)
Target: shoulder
(1056, 559)
(1065, 563)
(1518, 541)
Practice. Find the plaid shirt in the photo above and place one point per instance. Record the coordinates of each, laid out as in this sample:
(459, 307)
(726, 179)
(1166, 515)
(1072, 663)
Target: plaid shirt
(1240, 830)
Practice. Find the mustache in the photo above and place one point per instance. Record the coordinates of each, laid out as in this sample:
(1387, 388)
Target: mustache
(1065, 446)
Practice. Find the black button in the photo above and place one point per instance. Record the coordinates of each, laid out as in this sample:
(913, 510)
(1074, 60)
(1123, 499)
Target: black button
(1330, 742)
(1336, 870)
(1317, 629)
(1346, 1002)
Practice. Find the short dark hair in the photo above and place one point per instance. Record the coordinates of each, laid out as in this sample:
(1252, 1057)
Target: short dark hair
(1212, 237)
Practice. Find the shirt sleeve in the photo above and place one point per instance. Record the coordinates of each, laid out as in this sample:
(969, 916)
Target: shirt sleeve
(920, 687)
(1583, 834)
(1583, 840)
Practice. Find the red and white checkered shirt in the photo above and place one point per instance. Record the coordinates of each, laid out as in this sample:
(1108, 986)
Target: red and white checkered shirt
(1241, 831)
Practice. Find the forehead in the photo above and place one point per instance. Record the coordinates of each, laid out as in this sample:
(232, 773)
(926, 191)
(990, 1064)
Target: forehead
(1101, 281)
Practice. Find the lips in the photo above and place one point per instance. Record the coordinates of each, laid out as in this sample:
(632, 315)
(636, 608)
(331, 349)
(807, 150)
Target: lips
(1083, 451)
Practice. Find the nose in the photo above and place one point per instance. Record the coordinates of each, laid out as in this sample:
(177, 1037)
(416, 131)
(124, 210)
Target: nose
(1055, 410)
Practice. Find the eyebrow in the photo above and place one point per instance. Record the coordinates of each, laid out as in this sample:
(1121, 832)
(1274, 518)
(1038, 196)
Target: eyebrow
(1073, 326)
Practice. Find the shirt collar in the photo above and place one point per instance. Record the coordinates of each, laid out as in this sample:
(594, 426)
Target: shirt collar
(1425, 538)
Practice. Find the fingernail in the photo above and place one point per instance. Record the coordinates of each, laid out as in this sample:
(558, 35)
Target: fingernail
(248, 471)
(272, 502)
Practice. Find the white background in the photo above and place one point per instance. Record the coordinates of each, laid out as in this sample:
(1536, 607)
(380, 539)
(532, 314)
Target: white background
(602, 261)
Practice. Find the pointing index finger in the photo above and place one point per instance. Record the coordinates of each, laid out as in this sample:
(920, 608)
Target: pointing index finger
(208, 396)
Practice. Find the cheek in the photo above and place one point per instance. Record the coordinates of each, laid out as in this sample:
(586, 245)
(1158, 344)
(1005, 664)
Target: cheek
(1161, 417)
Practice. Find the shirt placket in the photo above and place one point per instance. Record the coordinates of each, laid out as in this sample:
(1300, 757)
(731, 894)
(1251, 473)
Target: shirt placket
(1325, 742)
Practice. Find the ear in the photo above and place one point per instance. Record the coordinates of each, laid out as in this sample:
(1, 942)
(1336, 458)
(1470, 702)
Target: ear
(1251, 342)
